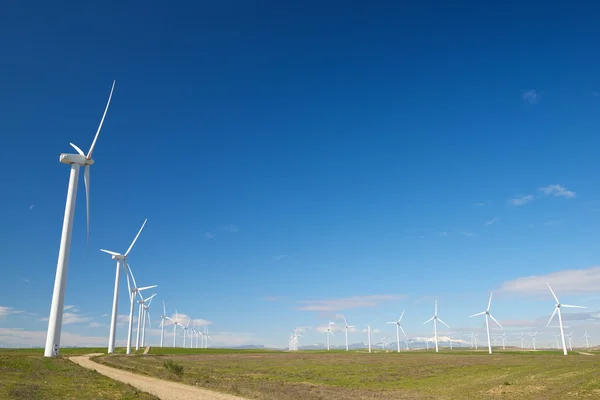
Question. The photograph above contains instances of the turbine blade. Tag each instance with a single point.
(131, 273)
(89, 156)
(394, 322)
(402, 329)
(570, 306)
(553, 294)
(112, 253)
(77, 149)
(147, 287)
(86, 181)
(494, 319)
(489, 302)
(164, 308)
(474, 315)
(401, 315)
(136, 237)
(435, 308)
(443, 322)
(550, 320)
(429, 320)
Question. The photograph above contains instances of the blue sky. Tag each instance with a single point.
(298, 161)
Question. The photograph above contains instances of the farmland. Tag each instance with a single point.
(342, 375)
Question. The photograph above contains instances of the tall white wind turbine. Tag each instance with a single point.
(435, 319)
(185, 329)
(133, 293)
(398, 328)
(586, 337)
(521, 337)
(121, 263)
(206, 337)
(557, 308)
(60, 282)
(146, 308)
(533, 335)
(487, 322)
(369, 335)
(347, 327)
(175, 323)
(570, 340)
(328, 332)
(163, 317)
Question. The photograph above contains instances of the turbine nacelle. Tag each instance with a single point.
(75, 159)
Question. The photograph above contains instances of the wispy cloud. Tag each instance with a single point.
(31, 207)
(279, 257)
(521, 200)
(271, 298)
(557, 190)
(21, 337)
(491, 221)
(230, 228)
(531, 96)
(95, 325)
(566, 282)
(467, 233)
(74, 318)
(4, 311)
(209, 235)
(443, 233)
(347, 302)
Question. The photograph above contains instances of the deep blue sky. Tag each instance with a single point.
(315, 151)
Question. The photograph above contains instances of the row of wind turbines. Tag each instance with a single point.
(76, 161)
(294, 338)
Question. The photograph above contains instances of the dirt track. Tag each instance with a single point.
(164, 390)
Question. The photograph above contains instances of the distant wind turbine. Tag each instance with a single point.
(557, 308)
(533, 335)
(329, 332)
(369, 335)
(398, 329)
(435, 319)
(60, 282)
(347, 327)
(487, 322)
(586, 337)
(163, 318)
(133, 293)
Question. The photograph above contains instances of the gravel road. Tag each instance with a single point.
(164, 390)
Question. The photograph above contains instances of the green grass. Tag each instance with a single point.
(31, 377)
(69, 351)
(411, 375)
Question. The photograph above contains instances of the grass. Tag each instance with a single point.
(24, 375)
(68, 351)
(304, 375)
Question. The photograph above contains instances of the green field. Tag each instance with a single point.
(308, 375)
(26, 374)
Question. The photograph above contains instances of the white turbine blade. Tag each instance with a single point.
(570, 306)
(89, 156)
(164, 308)
(112, 253)
(550, 320)
(401, 315)
(128, 284)
(429, 320)
(443, 322)
(435, 308)
(345, 322)
(136, 237)
(86, 182)
(474, 315)
(131, 273)
(147, 287)
(77, 149)
(148, 315)
(402, 329)
(556, 298)
(393, 322)
(331, 333)
(149, 299)
(494, 319)
(489, 302)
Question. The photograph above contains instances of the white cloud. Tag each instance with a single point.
(521, 200)
(4, 311)
(443, 233)
(467, 233)
(347, 303)
(373, 331)
(70, 307)
(124, 319)
(230, 228)
(95, 325)
(566, 282)
(531, 96)
(271, 298)
(74, 318)
(209, 235)
(31, 207)
(491, 221)
(279, 257)
(20, 337)
(557, 190)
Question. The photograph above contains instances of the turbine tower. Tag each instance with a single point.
(398, 329)
(533, 335)
(146, 309)
(557, 308)
(435, 319)
(60, 282)
(163, 317)
(586, 337)
(369, 335)
(487, 322)
(121, 263)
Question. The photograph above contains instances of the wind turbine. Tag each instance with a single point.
(570, 340)
(369, 335)
(398, 328)
(521, 337)
(383, 343)
(185, 329)
(163, 317)
(121, 263)
(133, 292)
(450, 340)
(503, 338)
(60, 282)
(487, 322)
(435, 319)
(328, 332)
(533, 335)
(347, 326)
(586, 337)
(206, 337)
(557, 309)
(175, 323)
(146, 309)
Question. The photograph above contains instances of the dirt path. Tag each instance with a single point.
(585, 354)
(164, 390)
